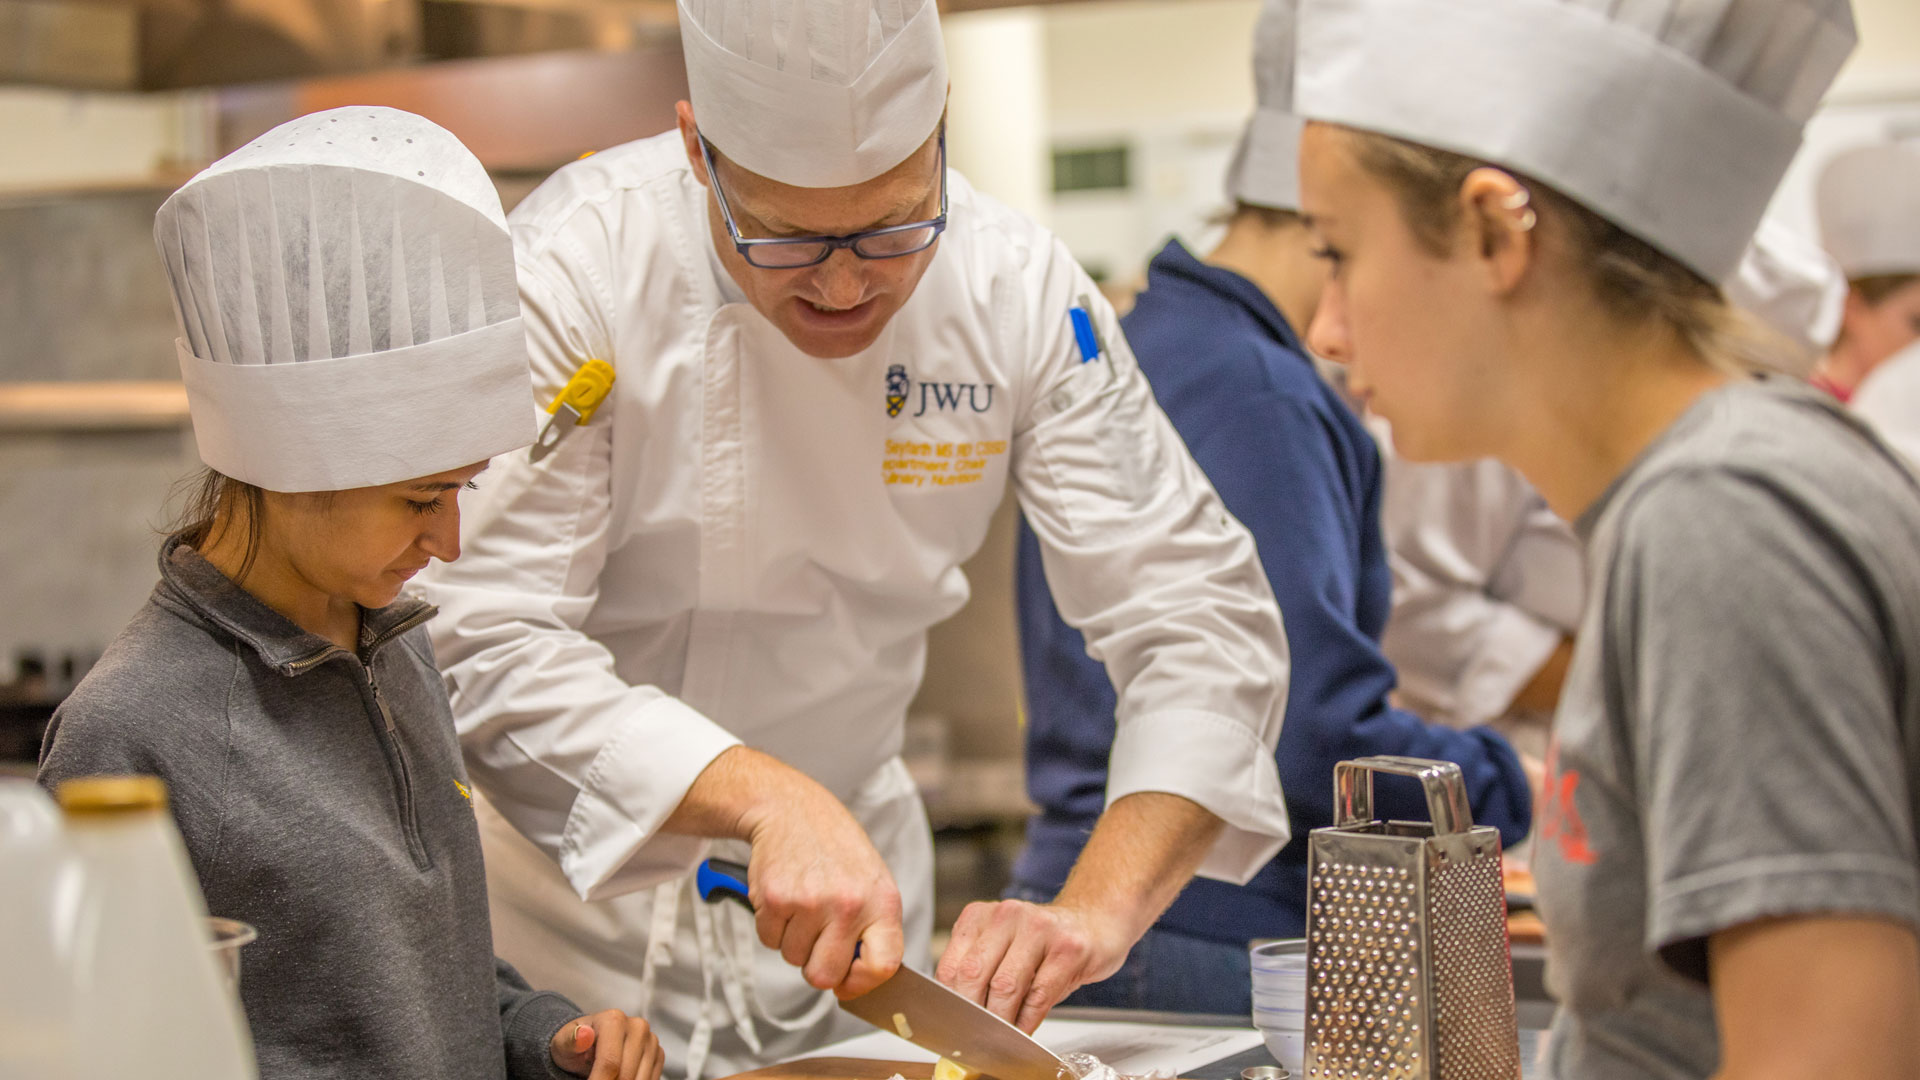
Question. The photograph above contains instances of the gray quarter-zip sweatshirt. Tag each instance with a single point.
(323, 800)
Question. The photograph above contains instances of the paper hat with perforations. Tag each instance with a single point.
(815, 93)
(1266, 163)
(347, 303)
(1869, 203)
(1674, 119)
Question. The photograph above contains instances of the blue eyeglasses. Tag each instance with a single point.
(793, 253)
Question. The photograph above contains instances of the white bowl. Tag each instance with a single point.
(1289, 1048)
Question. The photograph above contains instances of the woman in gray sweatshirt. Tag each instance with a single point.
(329, 279)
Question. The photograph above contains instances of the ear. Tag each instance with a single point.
(690, 136)
(1857, 307)
(1499, 222)
(1855, 314)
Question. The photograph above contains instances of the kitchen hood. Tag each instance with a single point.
(176, 44)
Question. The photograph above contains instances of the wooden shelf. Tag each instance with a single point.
(160, 183)
(92, 406)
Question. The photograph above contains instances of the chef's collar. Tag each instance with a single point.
(723, 283)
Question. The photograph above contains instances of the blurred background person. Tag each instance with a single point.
(1870, 217)
(1869, 207)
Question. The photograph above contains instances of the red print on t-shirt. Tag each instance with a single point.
(1560, 815)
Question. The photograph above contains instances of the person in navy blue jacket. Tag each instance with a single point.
(1216, 338)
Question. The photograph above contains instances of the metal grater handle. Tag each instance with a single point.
(1446, 791)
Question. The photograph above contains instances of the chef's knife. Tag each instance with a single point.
(919, 1009)
(936, 1018)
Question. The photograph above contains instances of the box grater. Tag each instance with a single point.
(1408, 971)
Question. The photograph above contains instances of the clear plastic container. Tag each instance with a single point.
(105, 925)
(1280, 999)
(226, 937)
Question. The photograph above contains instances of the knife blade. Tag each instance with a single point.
(939, 1020)
(932, 1016)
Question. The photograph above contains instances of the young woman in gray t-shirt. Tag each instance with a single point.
(1527, 227)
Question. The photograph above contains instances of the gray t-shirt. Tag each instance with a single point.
(1740, 733)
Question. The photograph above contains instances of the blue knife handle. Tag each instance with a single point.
(718, 879)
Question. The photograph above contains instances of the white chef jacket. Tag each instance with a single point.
(1486, 582)
(747, 544)
(1889, 399)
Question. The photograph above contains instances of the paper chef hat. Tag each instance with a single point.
(1790, 284)
(1869, 203)
(1266, 164)
(347, 304)
(815, 93)
(1674, 119)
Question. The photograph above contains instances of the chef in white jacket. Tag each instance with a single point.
(695, 626)
(1487, 593)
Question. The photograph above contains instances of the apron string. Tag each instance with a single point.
(747, 940)
(701, 1041)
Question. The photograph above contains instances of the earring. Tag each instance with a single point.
(1519, 200)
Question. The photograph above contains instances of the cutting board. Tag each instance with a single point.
(840, 1068)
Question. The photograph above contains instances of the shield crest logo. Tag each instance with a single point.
(897, 385)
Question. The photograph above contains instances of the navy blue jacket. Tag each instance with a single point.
(1293, 463)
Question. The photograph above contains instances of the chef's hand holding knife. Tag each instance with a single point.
(821, 894)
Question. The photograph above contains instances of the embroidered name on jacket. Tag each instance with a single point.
(928, 463)
(914, 463)
(935, 397)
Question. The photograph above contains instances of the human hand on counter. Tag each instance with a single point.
(1020, 959)
(608, 1045)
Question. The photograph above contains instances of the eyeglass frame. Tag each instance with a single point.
(744, 244)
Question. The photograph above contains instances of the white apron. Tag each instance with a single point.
(721, 1002)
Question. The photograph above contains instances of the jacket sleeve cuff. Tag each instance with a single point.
(528, 1031)
(1513, 646)
(612, 844)
(1217, 763)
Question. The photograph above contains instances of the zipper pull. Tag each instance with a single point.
(386, 714)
